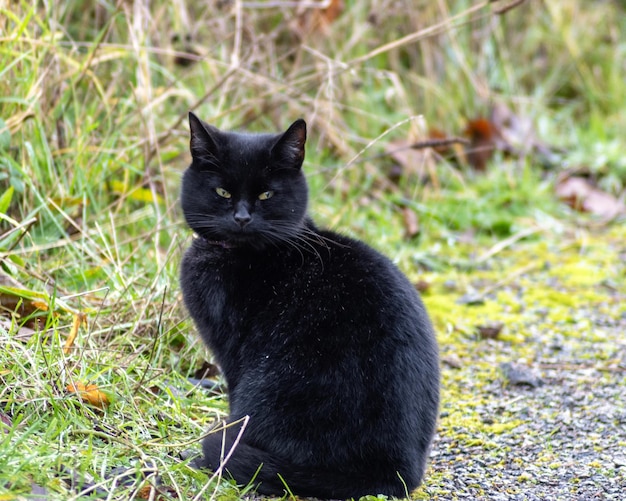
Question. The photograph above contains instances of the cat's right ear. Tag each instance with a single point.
(204, 149)
(289, 148)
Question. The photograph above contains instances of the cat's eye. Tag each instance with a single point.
(222, 192)
(266, 194)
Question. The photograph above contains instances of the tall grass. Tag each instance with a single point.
(93, 139)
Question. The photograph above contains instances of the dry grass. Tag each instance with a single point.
(93, 140)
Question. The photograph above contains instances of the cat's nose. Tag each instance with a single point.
(242, 216)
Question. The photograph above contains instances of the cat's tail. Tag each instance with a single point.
(272, 475)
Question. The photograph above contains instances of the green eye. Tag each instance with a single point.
(222, 192)
(266, 194)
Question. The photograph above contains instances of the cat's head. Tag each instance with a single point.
(245, 189)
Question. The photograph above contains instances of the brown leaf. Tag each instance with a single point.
(332, 12)
(159, 493)
(422, 285)
(144, 492)
(79, 318)
(90, 394)
(9, 281)
(315, 19)
(483, 134)
(407, 160)
(23, 334)
(413, 156)
(14, 297)
(580, 194)
(517, 134)
(490, 331)
(411, 223)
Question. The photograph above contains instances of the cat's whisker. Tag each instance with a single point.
(323, 240)
(283, 237)
(313, 235)
(298, 248)
(303, 243)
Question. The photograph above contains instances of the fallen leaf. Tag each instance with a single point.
(483, 135)
(503, 131)
(416, 156)
(159, 493)
(311, 19)
(411, 223)
(24, 303)
(332, 12)
(145, 492)
(21, 333)
(490, 331)
(407, 161)
(580, 194)
(79, 319)
(90, 394)
(516, 133)
(422, 285)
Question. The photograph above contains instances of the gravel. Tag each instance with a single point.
(563, 439)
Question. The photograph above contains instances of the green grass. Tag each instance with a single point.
(93, 141)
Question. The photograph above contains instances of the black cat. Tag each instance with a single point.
(324, 344)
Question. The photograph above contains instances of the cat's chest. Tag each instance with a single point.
(246, 283)
(262, 282)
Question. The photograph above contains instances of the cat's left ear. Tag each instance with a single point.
(289, 148)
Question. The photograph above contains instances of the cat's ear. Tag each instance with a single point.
(289, 148)
(202, 144)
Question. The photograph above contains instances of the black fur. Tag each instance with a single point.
(323, 342)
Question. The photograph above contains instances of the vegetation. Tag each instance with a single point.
(93, 140)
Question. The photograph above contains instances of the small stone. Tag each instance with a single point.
(450, 285)
(452, 361)
(619, 461)
(471, 299)
(517, 374)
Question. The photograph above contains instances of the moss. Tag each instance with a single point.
(499, 428)
(562, 295)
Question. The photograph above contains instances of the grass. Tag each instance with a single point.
(93, 140)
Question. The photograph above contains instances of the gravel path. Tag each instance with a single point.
(539, 414)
